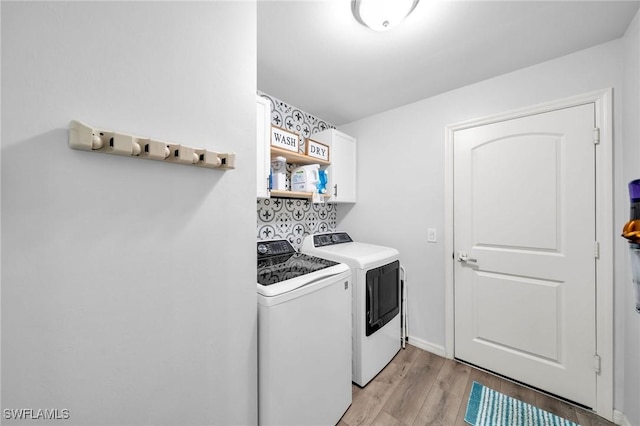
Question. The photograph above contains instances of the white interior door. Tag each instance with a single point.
(524, 238)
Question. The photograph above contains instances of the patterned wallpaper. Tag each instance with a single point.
(292, 219)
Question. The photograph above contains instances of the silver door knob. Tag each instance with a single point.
(463, 258)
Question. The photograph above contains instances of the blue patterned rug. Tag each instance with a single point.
(487, 407)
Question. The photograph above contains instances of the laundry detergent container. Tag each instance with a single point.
(305, 178)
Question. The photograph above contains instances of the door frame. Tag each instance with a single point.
(604, 230)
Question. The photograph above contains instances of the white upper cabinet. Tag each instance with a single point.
(263, 128)
(341, 166)
(342, 171)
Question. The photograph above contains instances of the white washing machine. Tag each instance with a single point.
(375, 272)
(304, 337)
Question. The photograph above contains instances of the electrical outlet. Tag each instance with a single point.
(431, 235)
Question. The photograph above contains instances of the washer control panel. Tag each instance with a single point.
(274, 248)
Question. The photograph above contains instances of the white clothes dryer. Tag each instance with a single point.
(375, 272)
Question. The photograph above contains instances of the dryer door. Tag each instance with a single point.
(383, 296)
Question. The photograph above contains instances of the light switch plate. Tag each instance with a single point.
(431, 235)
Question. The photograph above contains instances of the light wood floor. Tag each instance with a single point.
(420, 388)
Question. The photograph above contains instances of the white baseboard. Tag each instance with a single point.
(427, 346)
(620, 419)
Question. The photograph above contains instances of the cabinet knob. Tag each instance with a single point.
(335, 190)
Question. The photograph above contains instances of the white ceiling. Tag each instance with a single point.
(316, 56)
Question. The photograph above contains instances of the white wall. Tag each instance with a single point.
(126, 297)
(401, 175)
(630, 171)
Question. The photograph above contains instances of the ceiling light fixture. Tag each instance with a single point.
(382, 15)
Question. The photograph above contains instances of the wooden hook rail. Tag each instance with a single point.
(87, 138)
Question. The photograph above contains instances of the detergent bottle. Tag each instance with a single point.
(279, 170)
(305, 178)
(322, 182)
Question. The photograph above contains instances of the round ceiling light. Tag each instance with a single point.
(382, 15)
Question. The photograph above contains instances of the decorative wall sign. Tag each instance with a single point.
(317, 150)
(284, 139)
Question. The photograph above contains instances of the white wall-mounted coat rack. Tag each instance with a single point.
(87, 138)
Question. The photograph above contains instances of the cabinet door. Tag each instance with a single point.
(342, 172)
(263, 154)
